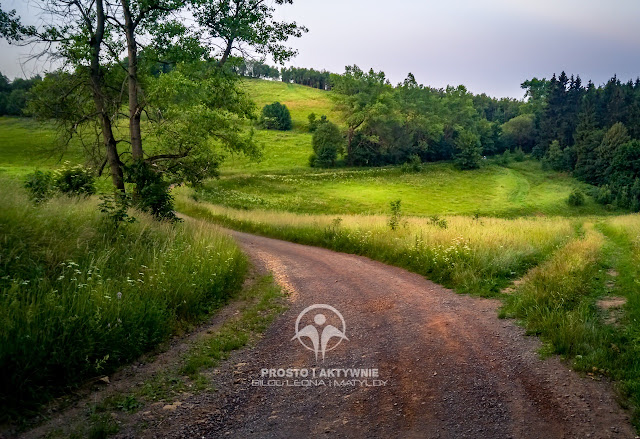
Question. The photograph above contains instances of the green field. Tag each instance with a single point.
(520, 189)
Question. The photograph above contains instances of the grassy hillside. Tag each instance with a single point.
(26, 144)
(284, 149)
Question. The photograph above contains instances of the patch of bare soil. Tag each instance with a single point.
(611, 307)
(451, 368)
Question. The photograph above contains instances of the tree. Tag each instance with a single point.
(246, 26)
(555, 157)
(327, 143)
(360, 96)
(587, 139)
(469, 151)
(616, 136)
(79, 35)
(89, 37)
(519, 132)
(276, 116)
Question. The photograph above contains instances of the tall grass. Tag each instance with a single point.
(557, 301)
(79, 298)
(476, 256)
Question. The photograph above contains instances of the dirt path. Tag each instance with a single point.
(452, 368)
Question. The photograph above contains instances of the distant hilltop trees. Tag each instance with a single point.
(296, 75)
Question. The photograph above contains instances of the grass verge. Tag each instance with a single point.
(262, 301)
(558, 301)
(79, 298)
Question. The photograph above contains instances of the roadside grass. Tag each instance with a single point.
(557, 301)
(236, 333)
(523, 189)
(263, 301)
(79, 298)
(472, 255)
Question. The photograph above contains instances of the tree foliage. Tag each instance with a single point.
(328, 143)
(276, 116)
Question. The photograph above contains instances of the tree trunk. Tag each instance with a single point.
(135, 110)
(349, 146)
(227, 52)
(97, 87)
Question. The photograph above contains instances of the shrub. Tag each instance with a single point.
(413, 164)
(603, 195)
(396, 214)
(576, 198)
(152, 191)
(115, 206)
(74, 180)
(314, 122)
(39, 186)
(276, 116)
(519, 155)
(504, 159)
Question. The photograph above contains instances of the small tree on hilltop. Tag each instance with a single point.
(276, 116)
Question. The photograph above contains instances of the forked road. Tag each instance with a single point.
(453, 369)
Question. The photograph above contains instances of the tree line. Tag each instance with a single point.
(320, 79)
(389, 124)
(14, 94)
(591, 131)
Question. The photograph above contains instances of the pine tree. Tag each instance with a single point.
(587, 137)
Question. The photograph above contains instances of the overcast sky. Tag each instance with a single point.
(490, 46)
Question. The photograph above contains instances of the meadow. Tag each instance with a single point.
(521, 188)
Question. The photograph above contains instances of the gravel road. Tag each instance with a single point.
(447, 366)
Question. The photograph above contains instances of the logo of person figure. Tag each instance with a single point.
(320, 333)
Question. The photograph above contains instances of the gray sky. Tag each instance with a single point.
(490, 46)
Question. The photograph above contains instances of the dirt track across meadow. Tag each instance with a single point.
(452, 368)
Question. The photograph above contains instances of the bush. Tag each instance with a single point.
(414, 164)
(39, 186)
(504, 159)
(396, 214)
(74, 180)
(603, 195)
(519, 155)
(327, 144)
(576, 198)
(276, 116)
(152, 191)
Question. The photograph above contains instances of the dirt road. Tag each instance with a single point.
(452, 368)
